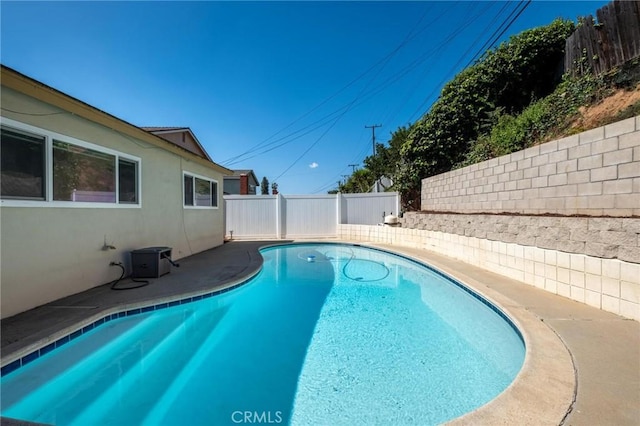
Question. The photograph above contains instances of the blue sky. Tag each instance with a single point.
(283, 88)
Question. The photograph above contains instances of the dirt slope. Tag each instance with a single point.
(605, 111)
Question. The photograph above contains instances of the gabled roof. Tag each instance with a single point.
(38, 90)
(159, 131)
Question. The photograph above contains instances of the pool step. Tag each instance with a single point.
(55, 400)
(156, 415)
(130, 393)
(255, 348)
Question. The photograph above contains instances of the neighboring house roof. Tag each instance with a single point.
(248, 172)
(19, 82)
(164, 131)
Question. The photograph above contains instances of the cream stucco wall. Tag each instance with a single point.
(49, 252)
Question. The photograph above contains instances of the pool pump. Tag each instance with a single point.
(152, 262)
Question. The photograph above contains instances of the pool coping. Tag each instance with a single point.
(544, 391)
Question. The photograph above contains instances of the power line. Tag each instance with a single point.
(310, 147)
(349, 106)
(360, 154)
(416, 62)
(363, 94)
(431, 52)
(437, 87)
(325, 186)
(471, 15)
(492, 39)
(436, 51)
(382, 61)
(323, 121)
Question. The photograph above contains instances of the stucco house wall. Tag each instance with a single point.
(50, 250)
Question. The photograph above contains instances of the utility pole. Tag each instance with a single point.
(353, 167)
(345, 178)
(373, 135)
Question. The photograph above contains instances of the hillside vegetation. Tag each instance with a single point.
(514, 97)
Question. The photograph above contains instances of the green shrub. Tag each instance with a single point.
(543, 119)
(506, 78)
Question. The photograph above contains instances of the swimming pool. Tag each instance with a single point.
(325, 334)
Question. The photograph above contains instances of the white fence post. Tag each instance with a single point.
(278, 216)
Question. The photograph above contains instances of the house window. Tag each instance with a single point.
(188, 190)
(203, 192)
(200, 191)
(127, 181)
(214, 194)
(43, 168)
(82, 174)
(22, 165)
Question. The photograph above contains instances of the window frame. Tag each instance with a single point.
(43, 160)
(48, 201)
(194, 176)
(136, 164)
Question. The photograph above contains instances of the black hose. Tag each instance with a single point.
(172, 262)
(361, 279)
(114, 283)
(352, 258)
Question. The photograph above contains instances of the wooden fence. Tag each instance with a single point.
(607, 43)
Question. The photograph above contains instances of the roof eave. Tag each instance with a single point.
(38, 90)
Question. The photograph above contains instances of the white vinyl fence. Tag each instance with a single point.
(303, 216)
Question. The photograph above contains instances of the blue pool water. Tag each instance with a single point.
(325, 334)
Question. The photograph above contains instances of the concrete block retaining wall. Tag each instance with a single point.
(516, 215)
(612, 285)
(596, 173)
(604, 237)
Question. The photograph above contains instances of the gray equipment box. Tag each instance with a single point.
(151, 262)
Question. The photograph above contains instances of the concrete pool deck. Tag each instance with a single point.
(582, 366)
